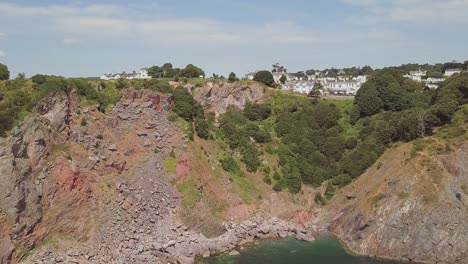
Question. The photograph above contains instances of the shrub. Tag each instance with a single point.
(341, 180)
(267, 179)
(201, 127)
(38, 79)
(255, 112)
(229, 164)
(318, 198)
(4, 72)
(250, 157)
(264, 77)
(329, 191)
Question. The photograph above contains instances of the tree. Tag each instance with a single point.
(156, 72)
(232, 77)
(38, 79)
(202, 128)
(283, 79)
(256, 112)
(4, 72)
(191, 71)
(21, 76)
(316, 90)
(264, 77)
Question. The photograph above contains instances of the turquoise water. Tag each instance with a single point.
(325, 250)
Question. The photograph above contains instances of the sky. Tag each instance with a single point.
(87, 38)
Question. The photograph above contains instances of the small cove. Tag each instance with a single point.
(324, 250)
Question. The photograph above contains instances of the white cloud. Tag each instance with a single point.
(2, 54)
(2, 35)
(70, 41)
(100, 21)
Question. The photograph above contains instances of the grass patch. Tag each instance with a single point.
(170, 163)
(248, 191)
(191, 193)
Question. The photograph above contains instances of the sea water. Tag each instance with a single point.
(324, 250)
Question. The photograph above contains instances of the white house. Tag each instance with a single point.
(349, 87)
(415, 75)
(300, 86)
(450, 72)
(142, 74)
(250, 75)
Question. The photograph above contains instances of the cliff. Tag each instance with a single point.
(128, 186)
(407, 207)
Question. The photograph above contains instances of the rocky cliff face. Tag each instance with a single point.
(407, 208)
(216, 97)
(22, 159)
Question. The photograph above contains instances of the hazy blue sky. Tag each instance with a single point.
(87, 38)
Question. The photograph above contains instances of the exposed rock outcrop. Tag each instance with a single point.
(22, 156)
(412, 209)
(216, 97)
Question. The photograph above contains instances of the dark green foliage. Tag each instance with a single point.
(159, 86)
(250, 157)
(4, 72)
(232, 77)
(276, 176)
(267, 179)
(229, 164)
(318, 199)
(185, 106)
(292, 179)
(264, 77)
(329, 191)
(341, 180)
(278, 187)
(256, 112)
(38, 79)
(386, 90)
(283, 79)
(202, 128)
(121, 83)
(191, 71)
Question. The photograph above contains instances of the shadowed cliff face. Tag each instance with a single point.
(409, 208)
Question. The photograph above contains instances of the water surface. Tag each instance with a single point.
(325, 250)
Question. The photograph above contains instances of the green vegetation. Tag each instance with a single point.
(170, 163)
(232, 77)
(18, 97)
(229, 164)
(4, 72)
(167, 71)
(264, 77)
(316, 141)
(191, 111)
(191, 194)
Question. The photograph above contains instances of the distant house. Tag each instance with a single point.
(250, 75)
(349, 87)
(416, 75)
(142, 74)
(450, 72)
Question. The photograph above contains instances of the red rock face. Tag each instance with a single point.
(69, 182)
